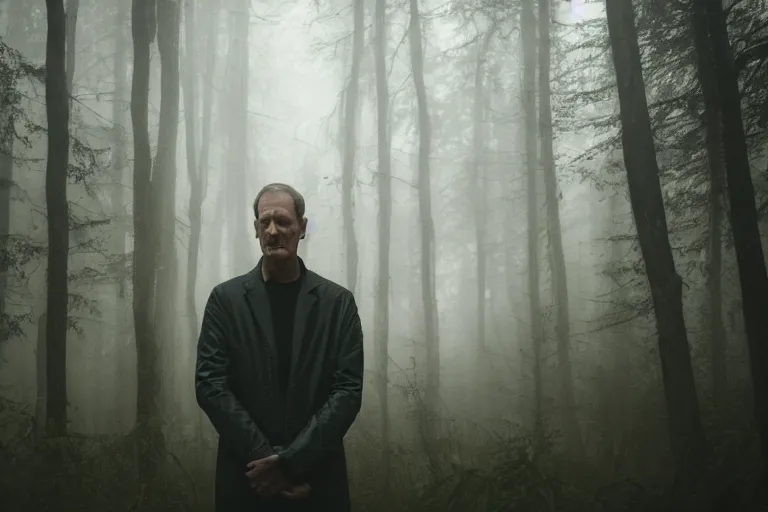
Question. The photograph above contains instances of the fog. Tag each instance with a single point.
(564, 295)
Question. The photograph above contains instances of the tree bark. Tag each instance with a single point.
(149, 436)
(7, 122)
(528, 37)
(57, 110)
(238, 167)
(559, 275)
(713, 142)
(684, 423)
(118, 165)
(381, 299)
(194, 169)
(744, 223)
(348, 175)
(479, 190)
(427, 224)
(163, 188)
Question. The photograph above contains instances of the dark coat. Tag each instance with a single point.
(236, 383)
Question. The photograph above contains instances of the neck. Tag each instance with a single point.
(284, 271)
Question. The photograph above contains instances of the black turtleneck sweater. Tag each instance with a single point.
(282, 302)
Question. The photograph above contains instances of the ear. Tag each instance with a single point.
(256, 227)
(303, 223)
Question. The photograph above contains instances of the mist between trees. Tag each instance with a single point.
(552, 215)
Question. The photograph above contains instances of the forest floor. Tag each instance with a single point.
(99, 473)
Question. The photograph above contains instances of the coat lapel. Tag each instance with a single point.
(304, 304)
(258, 304)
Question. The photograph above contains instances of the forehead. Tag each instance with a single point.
(275, 202)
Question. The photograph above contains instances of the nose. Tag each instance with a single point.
(271, 228)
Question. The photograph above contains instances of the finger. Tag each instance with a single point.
(262, 464)
(297, 492)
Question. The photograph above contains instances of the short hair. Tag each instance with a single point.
(298, 199)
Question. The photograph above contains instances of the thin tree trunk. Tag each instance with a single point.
(148, 432)
(427, 224)
(350, 146)
(713, 143)
(238, 168)
(479, 190)
(163, 188)
(57, 110)
(528, 36)
(744, 223)
(7, 122)
(684, 423)
(381, 306)
(194, 170)
(559, 276)
(118, 164)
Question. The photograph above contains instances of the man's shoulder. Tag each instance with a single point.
(329, 288)
(232, 286)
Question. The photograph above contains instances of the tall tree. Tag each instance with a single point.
(350, 144)
(554, 231)
(684, 422)
(426, 223)
(57, 164)
(7, 139)
(118, 195)
(150, 223)
(478, 188)
(741, 198)
(712, 120)
(528, 39)
(194, 168)
(238, 158)
(164, 175)
(381, 300)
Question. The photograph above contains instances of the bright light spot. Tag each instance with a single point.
(577, 10)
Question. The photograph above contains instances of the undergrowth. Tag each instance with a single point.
(99, 473)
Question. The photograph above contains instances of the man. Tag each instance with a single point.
(279, 373)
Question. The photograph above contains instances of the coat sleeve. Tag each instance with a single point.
(214, 395)
(326, 429)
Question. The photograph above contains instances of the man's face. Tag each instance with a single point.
(278, 228)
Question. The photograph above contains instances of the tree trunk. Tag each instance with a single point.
(479, 190)
(7, 122)
(713, 143)
(684, 423)
(194, 170)
(528, 36)
(148, 429)
(350, 146)
(381, 299)
(118, 164)
(744, 224)
(41, 359)
(163, 188)
(57, 164)
(427, 224)
(559, 276)
(238, 168)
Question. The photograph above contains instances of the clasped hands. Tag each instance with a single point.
(268, 479)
